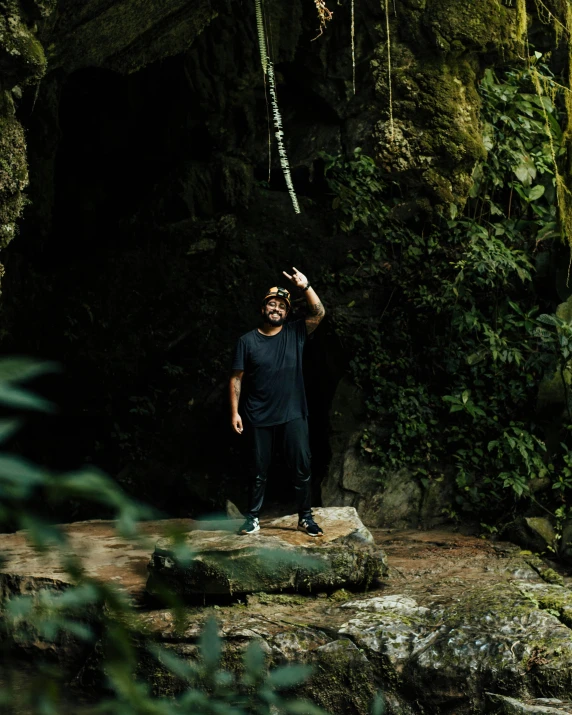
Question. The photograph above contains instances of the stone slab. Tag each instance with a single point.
(105, 556)
(277, 558)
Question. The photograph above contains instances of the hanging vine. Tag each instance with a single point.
(391, 126)
(562, 29)
(279, 134)
(353, 49)
(268, 70)
(261, 36)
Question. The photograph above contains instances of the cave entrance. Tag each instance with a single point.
(121, 136)
(136, 167)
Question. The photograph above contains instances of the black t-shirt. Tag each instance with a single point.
(273, 374)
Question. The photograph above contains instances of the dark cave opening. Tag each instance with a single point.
(135, 171)
(120, 137)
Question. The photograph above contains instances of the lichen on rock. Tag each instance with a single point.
(22, 58)
(22, 62)
(13, 171)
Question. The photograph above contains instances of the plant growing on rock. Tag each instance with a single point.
(452, 366)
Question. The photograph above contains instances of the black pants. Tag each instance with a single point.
(293, 439)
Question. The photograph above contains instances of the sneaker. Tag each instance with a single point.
(309, 526)
(250, 526)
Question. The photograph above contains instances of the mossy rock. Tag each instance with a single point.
(481, 25)
(498, 638)
(22, 58)
(277, 558)
(13, 176)
(535, 534)
(344, 679)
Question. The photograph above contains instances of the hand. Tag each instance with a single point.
(299, 279)
(237, 423)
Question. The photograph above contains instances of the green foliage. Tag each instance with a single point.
(452, 367)
(90, 612)
(358, 189)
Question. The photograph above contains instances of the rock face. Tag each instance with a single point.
(396, 499)
(22, 62)
(149, 129)
(458, 625)
(532, 532)
(275, 559)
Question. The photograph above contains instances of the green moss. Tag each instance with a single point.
(435, 107)
(343, 680)
(23, 58)
(283, 599)
(13, 176)
(556, 600)
(255, 570)
(435, 60)
(474, 24)
(552, 576)
(545, 572)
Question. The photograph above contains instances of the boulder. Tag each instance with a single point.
(395, 500)
(535, 533)
(275, 559)
(501, 633)
(24, 571)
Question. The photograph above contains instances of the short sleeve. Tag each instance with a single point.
(239, 359)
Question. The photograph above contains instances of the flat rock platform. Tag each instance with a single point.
(277, 558)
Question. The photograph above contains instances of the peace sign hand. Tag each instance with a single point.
(299, 279)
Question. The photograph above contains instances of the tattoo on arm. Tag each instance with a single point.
(315, 314)
(235, 387)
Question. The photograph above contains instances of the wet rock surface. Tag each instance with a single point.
(457, 624)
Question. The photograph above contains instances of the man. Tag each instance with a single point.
(275, 410)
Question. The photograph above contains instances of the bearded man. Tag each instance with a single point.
(269, 361)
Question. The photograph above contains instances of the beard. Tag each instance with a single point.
(275, 320)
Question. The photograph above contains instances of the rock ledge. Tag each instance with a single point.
(275, 559)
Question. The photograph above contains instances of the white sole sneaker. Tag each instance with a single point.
(303, 530)
(245, 532)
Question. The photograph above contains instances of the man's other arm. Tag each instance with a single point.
(316, 310)
(235, 386)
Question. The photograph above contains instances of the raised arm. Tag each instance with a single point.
(235, 385)
(316, 310)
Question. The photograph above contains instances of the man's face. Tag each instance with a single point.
(275, 312)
